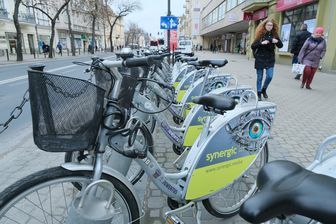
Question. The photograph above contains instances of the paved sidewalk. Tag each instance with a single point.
(303, 119)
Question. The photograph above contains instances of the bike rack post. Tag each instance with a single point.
(7, 54)
(37, 67)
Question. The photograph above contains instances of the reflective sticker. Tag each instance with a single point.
(256, 129)
(210, 179)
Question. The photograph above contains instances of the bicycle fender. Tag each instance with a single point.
(108, 171)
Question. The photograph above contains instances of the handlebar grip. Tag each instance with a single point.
(156, 57)
(166, 54)
(138, 62)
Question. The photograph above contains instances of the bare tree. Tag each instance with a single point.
(52, 10)
(93, 10)
(121, 10)
(72, 38)
(133, 34)
(19, 56)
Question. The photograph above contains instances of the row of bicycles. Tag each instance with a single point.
(216, 126)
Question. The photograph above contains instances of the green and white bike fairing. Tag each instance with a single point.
(195, 120)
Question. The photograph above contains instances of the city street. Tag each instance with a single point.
(303, 119)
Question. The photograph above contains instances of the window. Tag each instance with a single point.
(215, 15)
(296, 18)
(2, 5)
(221, 10)
(231, 4)
(240, 1)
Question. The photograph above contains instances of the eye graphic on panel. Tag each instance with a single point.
(252, 130)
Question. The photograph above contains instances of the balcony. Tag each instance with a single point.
(27, 18)
(3, 14)
(254, 5)
(43, 22)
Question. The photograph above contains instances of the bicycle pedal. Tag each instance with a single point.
(173, 219)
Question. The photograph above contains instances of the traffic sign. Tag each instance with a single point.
(169, 22)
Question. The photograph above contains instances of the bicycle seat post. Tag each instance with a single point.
(208, 71)
(205, 132)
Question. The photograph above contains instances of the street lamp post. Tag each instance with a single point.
(168, 31)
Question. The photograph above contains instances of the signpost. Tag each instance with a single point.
(169, 22)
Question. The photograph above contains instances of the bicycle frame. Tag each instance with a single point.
(173, 184)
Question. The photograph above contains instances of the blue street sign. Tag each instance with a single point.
(169, 22)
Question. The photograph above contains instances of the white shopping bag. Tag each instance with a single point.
(298, 68)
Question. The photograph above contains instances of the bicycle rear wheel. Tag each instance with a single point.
(45, 197)
(227, 202)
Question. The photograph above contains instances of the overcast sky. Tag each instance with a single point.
(148, 18)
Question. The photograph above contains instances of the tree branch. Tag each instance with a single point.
(37, 8)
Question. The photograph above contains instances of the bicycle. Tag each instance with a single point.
(294, 194)
(245, 129)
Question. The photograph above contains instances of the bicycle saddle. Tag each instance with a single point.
(124, 56)
(286, 188)
(217, 103)
(214, 63)
(187, 59)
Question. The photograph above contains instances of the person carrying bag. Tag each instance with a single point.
(312, 51)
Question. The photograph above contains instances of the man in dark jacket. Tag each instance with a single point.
(298, 42)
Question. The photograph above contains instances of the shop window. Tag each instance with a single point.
(292, 21)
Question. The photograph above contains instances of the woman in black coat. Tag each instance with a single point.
(267, 37)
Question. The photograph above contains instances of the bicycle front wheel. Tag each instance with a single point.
(227, 202)
(46, 196)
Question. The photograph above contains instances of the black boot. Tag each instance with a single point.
(297, 76)
(259, 96)
(263, 91)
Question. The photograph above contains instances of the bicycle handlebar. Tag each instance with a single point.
(138, 62)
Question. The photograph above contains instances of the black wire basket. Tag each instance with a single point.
(66, 112)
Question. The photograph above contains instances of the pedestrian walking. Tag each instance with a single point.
(312, 51)
(298, 42)
(266, 38)
(59, 47)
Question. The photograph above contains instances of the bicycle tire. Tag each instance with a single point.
(27, 187)
(233, 210)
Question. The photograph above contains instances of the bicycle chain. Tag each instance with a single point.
(15, 114)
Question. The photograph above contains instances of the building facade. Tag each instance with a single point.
(229, 25)
(222, 25)
(36, 29)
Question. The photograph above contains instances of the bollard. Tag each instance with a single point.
(79, 51)
(7, 54)
(34, 54)
(37, 67)
(68, 51)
